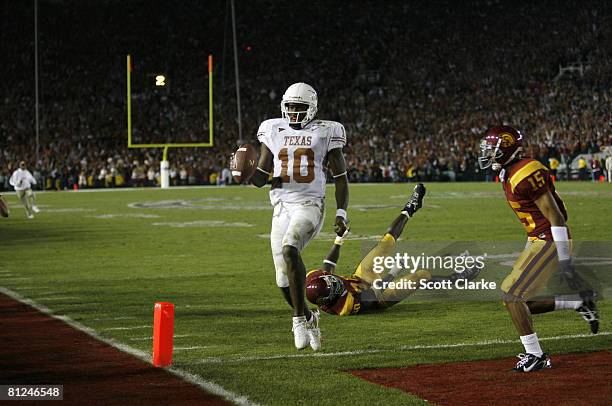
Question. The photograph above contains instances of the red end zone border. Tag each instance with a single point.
(38, 349)
(574, 379)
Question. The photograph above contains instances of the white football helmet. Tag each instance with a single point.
(299, 94)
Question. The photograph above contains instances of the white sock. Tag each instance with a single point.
(563, 302)
(532, 345)
(297, 319)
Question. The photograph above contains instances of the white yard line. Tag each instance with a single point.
(79, 304)
(56, 298)
(208, 386)
(127, 189)
(215, 360)
(151, 337)
(113, 318)
(195, 347)
(126, 328)
(194, 187)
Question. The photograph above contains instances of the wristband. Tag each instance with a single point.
(340, 238)
(341, 213)
(327, 261)
(561, 239)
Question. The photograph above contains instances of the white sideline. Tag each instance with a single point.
(213, 360)
(208, 386)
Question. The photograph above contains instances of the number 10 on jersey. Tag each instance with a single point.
(298, 154)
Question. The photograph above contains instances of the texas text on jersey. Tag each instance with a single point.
(299, 155)
(524, 182)
(349, 301)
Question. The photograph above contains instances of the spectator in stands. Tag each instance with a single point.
(595, 168)
(183, 176)
(553, 164)
(416, 105)
(582, 169)
(225, 178)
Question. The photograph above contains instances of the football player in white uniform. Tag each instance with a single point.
(22, 180)
(293, 150)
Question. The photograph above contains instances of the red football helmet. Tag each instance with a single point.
(499, 147)
(324, 289)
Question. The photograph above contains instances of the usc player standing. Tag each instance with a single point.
(531, 194)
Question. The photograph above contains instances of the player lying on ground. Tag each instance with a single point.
(357, 293)
(531, 193)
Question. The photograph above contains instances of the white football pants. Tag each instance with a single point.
(293, 224)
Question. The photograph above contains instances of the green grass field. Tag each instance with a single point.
(104, 258)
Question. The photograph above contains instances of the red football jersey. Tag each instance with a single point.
(349, 302)
(524, 182)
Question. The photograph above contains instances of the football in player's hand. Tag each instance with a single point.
(4, 210)
(243, 163)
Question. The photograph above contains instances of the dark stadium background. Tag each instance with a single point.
(414, 83)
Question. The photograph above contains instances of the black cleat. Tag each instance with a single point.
(588, 311)
(416, 200)
(531, 363)
(468, 274)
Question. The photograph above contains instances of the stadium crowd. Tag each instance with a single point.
(414, 87)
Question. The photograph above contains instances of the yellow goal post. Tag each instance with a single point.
(164, 171)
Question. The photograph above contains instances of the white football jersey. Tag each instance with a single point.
(22, 179)
(299, 156)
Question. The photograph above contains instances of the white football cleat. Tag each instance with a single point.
(30, 216)
(300, 333)
(314, 332)
(35, 209)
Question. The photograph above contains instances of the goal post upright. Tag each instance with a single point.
(164, 164)
(210, 99)
(129, 98)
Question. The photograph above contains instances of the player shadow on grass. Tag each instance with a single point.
(238, 312)
(40, 236)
